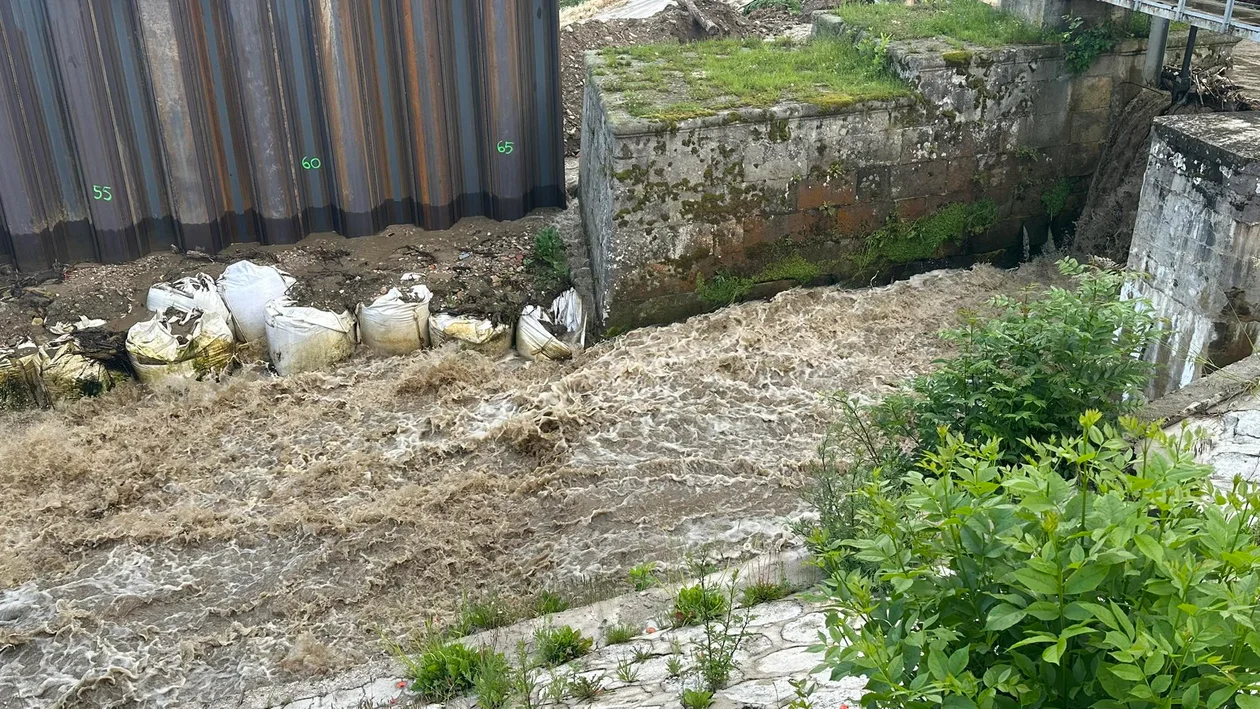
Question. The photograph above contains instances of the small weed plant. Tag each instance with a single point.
(525, 679)
(556, 646)
(1103, 570)
(617, 634)
(549, 603)
(550, 260)
(1056, 196)
(699, 604)
(643, 576)
(585, 688)
(695, 699)
(725, 631)
(557, 689)
(493, 681)
(627, 670)
(802, 693)
(642, 653)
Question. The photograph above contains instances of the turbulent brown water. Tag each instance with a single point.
(177, 549)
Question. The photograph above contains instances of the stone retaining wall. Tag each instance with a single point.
(790, 194)
(1197, 238)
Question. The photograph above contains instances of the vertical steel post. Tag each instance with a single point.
(1156, 45)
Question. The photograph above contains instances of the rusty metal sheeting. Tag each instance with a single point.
(127, 126)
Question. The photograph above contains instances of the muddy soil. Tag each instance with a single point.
(175, 549)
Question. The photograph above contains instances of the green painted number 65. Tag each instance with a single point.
(506, 147)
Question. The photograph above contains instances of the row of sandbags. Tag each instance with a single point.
(199, 323)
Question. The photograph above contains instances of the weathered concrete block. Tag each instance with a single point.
(1091, 93)
(1197, 238)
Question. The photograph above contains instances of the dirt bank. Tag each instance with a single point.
(164, 550)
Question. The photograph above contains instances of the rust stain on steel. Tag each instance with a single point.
(196, 115)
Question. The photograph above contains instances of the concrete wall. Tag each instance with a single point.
(1198, 240)
(745, 192)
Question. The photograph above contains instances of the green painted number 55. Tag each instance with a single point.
(102, 193)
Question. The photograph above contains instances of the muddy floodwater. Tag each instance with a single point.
(177, 549)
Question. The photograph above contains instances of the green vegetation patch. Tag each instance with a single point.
(899, 241)
(969, 21)
(673, 82)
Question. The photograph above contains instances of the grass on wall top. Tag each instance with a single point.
(970, 21)
(679, 81)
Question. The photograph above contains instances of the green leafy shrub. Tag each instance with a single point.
(1056, 196)
(1033, 369)
(725, 631)
(1084, 45)
(1028, 372)
(441, 670)
(617, 634)
(556, 646)
(1130, 584)
(698, 604)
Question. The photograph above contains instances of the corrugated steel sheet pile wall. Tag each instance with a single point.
(127, 126)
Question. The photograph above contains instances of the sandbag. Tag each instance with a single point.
(187, 295)
(558, 334)
(395, 324)
(68, 375)
(307, 339)
(471, 333)
(246, 289)
(20, 383)
(161, 357)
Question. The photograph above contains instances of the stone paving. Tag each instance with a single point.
(775, 652)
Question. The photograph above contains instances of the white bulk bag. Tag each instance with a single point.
(394, 324)
(307, 339)
(471, 333)
(246, 289)
(188, 294)
(554, 335)
(161, 358)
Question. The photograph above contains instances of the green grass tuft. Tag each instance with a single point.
(556, 646)
(550, 259)
(673, 82)
(764, 592)
(617, 634)
(722, 289)
(969, 21)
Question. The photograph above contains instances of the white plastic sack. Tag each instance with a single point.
(558, 334)
(161, 357)
(247, 288)
(471, 333)
(187, 295)
(307, 339)
(394, 324)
